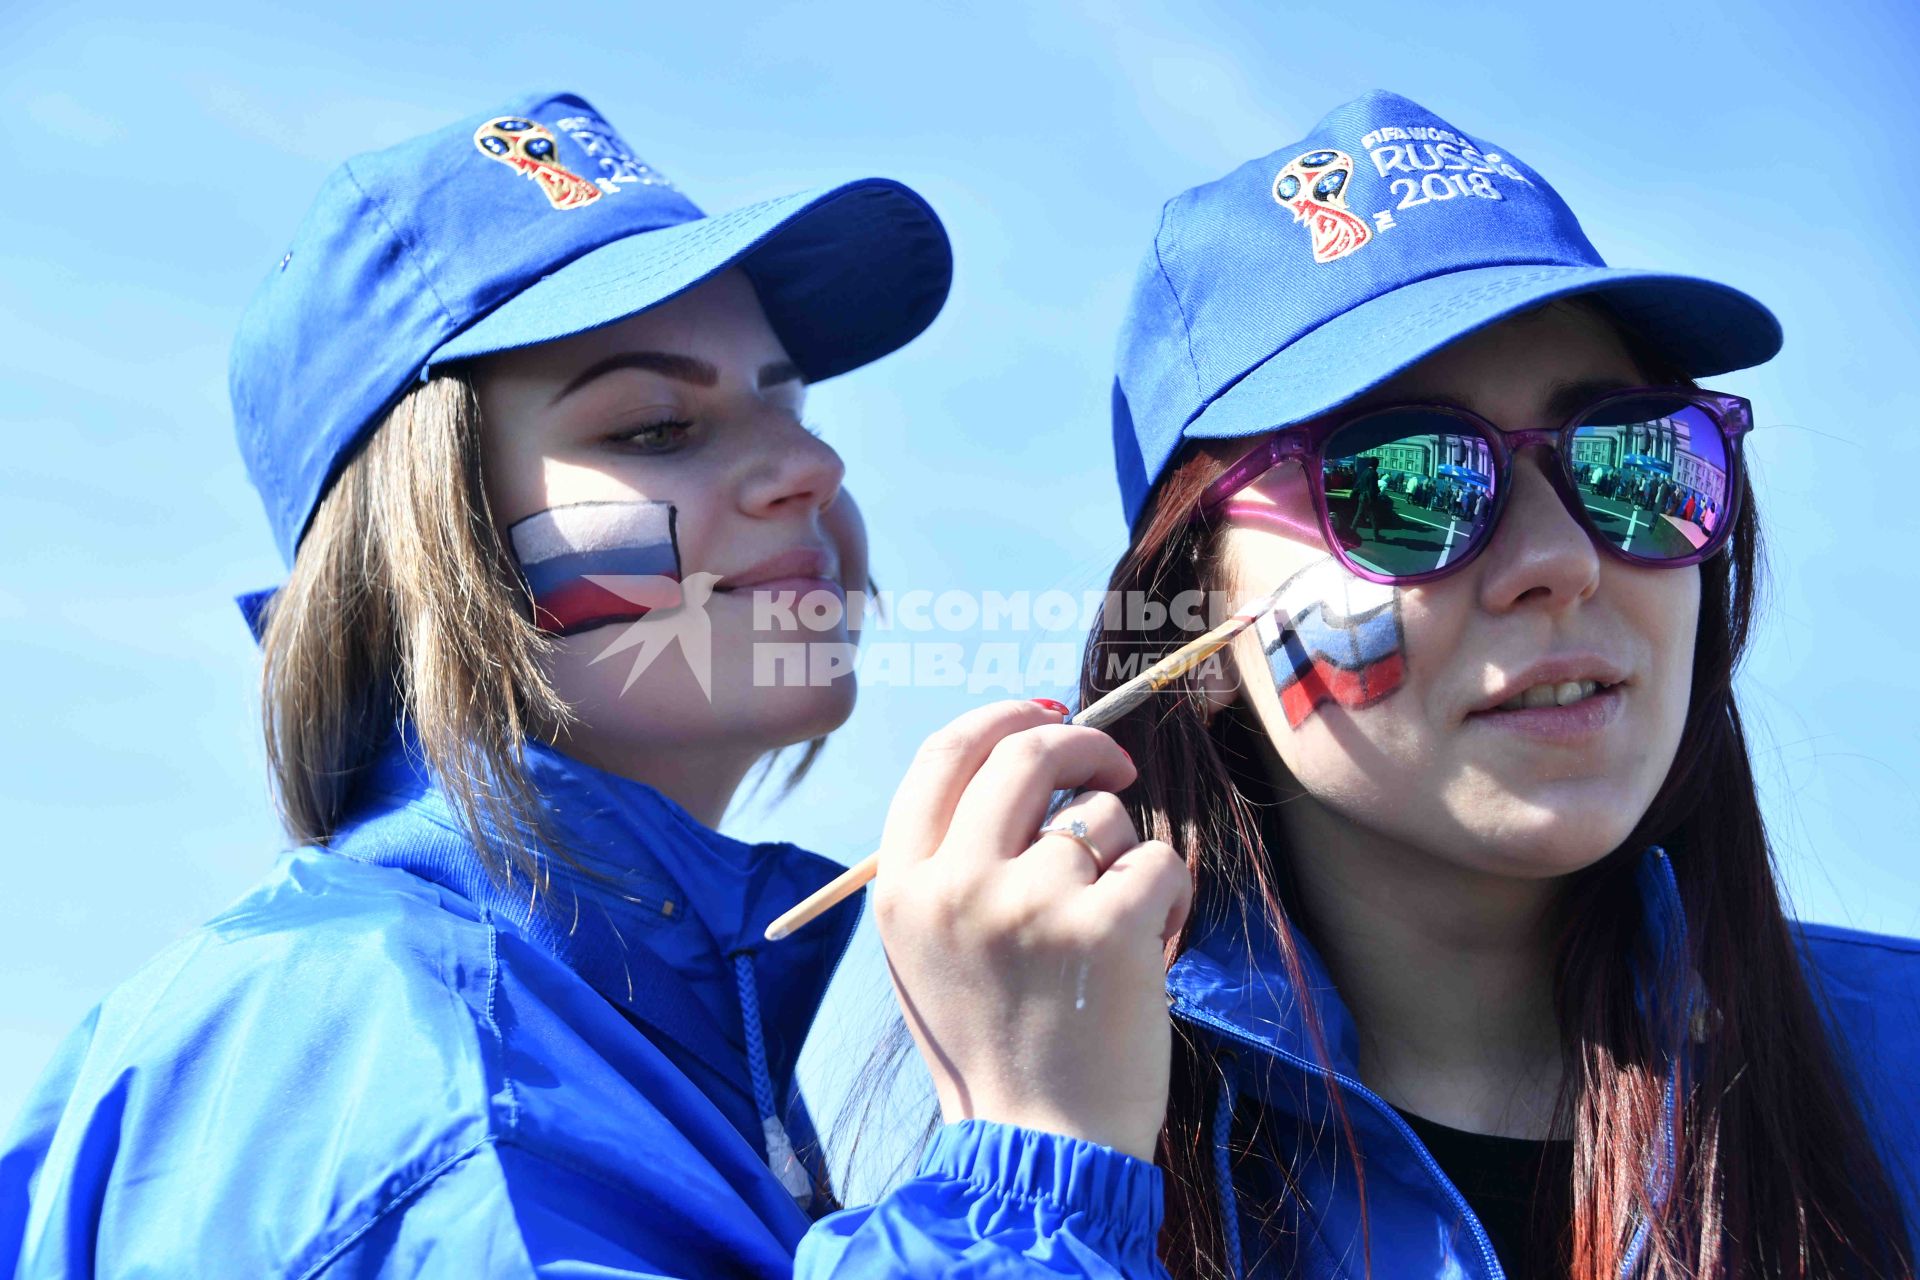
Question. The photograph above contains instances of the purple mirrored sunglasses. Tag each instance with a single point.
(1410, 493)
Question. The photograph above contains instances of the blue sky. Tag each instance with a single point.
(158, 164)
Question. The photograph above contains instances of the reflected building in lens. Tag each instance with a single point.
(1662, 448)
(1470, 453)
(1427, 455)
(1697, 473)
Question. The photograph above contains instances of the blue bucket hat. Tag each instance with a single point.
(1309, 276)
(523, 225)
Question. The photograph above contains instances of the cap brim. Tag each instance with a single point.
(846, 274)
(1704, 327)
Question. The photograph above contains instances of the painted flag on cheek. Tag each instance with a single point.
(1343, 645)
(588, 564)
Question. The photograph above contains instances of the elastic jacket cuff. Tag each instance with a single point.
(1119, 1195)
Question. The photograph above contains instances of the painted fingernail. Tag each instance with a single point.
(1058, 708)
(1123, 751)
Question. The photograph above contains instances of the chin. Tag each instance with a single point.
(780, 685)
(1544, 841)
(783, 717)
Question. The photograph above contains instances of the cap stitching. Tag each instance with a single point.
(1186, 325)
(406, 242)
(363, 430)
(1425, 315)
(1479, 293)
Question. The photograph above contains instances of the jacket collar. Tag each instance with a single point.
(1231, 983)
(659, 940)
(1232, 977)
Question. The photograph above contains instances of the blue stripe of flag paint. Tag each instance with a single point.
(1352, 644)
(658, 558)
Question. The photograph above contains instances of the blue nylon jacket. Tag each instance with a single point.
(1232, 990)
(379, 1064)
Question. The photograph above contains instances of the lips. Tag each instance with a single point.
(1555, 682)
(812, 566)
(1562, 694)
(1581, 724)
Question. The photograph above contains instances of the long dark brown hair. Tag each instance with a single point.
(1776, 1172)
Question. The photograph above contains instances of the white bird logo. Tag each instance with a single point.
(682, 617)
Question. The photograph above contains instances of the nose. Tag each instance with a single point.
(1540, 555)
(792, 469)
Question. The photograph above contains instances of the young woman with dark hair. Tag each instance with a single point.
(1488, 971)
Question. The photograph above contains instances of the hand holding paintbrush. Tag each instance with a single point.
(1098, 716)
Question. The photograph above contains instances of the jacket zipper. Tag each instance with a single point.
(1642, 1228)
(1487, 1256)
(1636, 1248)
(846, 945)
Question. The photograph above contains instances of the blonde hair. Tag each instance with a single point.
(404, 603)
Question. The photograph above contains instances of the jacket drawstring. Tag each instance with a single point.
(780, 1155)
(1223, 1171)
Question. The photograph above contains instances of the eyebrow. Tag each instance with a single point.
(1564, 398)
(1568, 398)
(772, 375)
(681, 368)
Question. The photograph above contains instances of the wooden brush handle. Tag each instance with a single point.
(1102, 713)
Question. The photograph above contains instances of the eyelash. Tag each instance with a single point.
(634, 439)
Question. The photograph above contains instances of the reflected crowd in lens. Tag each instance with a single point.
(1408, 490)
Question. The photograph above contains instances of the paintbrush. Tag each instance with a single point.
(1102, 713)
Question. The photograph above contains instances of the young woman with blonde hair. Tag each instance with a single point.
(530, 432)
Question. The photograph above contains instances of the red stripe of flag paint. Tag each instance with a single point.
(1324, 682)
(1343, 642)
(588, 564)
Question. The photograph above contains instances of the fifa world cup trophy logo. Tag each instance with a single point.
(1314, 186)
(529, 149)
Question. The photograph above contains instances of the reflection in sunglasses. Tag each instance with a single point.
(1409, 492)
(1421, 540)
(1420, 496)
(1411, 504)
(1664, 472)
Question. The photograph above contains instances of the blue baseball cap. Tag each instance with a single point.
(1305, 278)
(526, 224)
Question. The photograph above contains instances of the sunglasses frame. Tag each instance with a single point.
(1304, 443)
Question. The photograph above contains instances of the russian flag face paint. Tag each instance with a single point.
(591, 563)
(1343, 643)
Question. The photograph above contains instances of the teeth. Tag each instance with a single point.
(1551, 695)
(1572, 691)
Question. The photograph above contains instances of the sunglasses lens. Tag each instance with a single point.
(1652, 474)
(1408, 490)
